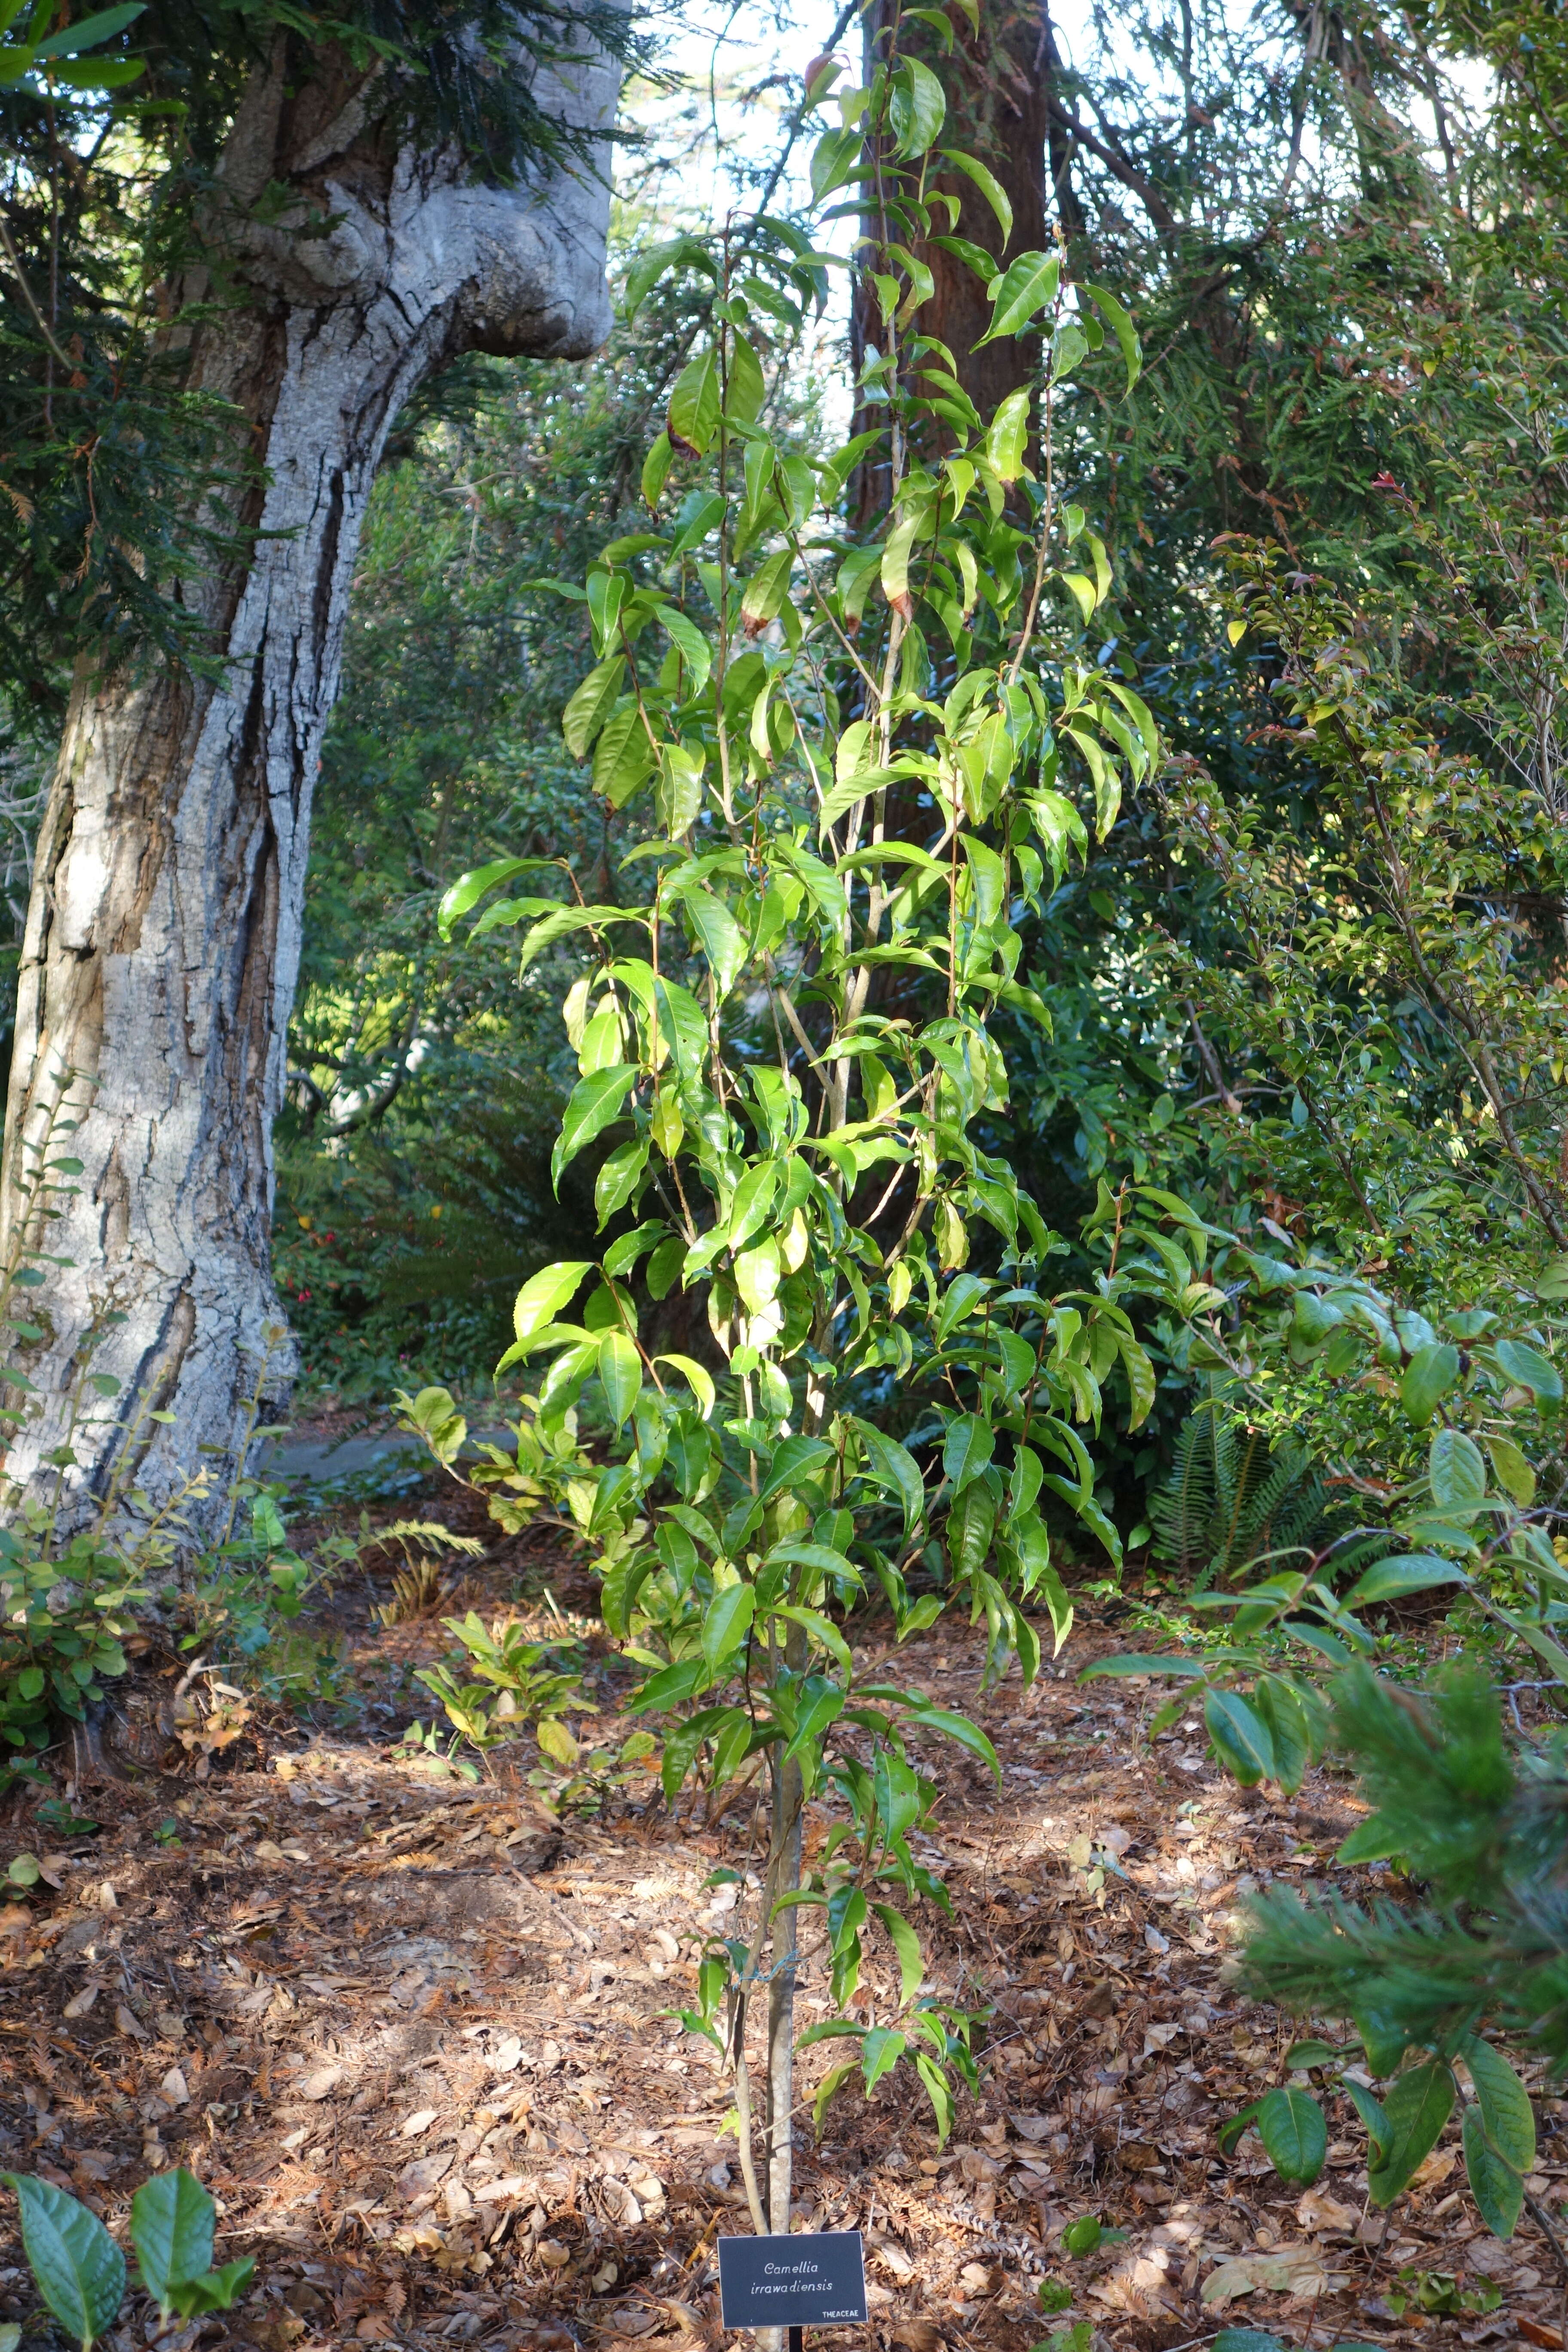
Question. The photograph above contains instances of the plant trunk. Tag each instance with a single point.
(784, 1943)
(163, 932)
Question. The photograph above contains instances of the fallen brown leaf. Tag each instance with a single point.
(917, 2335)
(1295, 2271)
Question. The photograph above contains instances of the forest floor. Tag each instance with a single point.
(411, 2033)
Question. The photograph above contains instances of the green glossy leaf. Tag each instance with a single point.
(1137, 1662)
(1512, 1471)
(1240, 1737)
(1530, 1369)
(880, 2050)
(693, 417)
(88, 31)
(1120, 325)
(1431, 1372)
(719, 936)
(1027, 284)
(727, 1622)
(671, 1686)
(834, 2080)
(696, 1376)
(1401, 1574)
(957, 1726)
(1457, 1471)
(1313, 2053)
(893, 1467)
(917, 108)
(172, 2221)
(793, 1462)
(1370, 1841)
(620, 1375)
(1418, 2106)
(967, 1449)
(1369, 2107)
(1494, 2184)
(1294, 2134)
(544, 1294)
(592, 704)
(80, 2270)
(470, 888)
(939, 2091)
(216, 2290)
(1504, 2106)
(595, 1103)
(991, 188)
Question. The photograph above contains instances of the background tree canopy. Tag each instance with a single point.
(1310, 974)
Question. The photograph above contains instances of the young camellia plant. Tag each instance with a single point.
(80, 2273)
(849, 758)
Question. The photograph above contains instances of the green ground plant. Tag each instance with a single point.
(514, 1682)
(80, 2273)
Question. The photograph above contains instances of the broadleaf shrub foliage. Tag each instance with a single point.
(846, 761)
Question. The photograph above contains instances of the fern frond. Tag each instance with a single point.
(1182, 1507)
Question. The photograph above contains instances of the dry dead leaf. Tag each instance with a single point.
(82, 2001)
(424, 2172)
(1318, 2210)
(128, 2023)
(174, 2088)
(412, 2126)
(267, 1851)
(1436, 2167)
(1295, 2271)
(555, 2255)
(323, 2081)
(893, 2258)
(917, 2335)
(1139, 2282)
(685, 2315)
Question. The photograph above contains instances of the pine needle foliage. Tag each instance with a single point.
(1483, 1833)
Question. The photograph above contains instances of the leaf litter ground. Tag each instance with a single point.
(409, 2032)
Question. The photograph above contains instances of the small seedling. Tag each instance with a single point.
(1055, 2294)
(80, 2271)
(166, 1833)
(1260, 2340)
(1075, 2338)
(1439, 2293)
(56, 1815)
(1087, 2234)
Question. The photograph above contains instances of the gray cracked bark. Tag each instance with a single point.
(162, 937)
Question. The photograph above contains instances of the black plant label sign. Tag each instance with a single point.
(804, 2281)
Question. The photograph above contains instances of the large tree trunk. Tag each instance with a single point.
(997, 86)
(162, 937)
